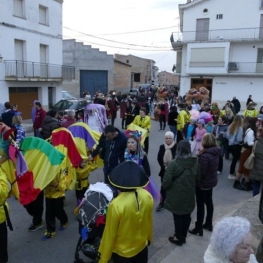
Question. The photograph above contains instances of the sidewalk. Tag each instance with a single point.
(195, 247)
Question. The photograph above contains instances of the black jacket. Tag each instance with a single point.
(7, 117)
(172, 118)
(160, 157)
(49, 124)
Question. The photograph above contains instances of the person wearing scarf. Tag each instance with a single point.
(165, 155)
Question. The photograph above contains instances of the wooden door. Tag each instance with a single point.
(24, 98)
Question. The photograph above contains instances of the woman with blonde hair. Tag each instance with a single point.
(20, 133)
(235, 136)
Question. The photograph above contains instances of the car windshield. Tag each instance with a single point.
(66, 95)
(66, 104)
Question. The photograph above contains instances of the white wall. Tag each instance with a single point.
(236, 14)
(34, 34)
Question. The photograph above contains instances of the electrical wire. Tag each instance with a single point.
(133, 32)
(163, 56)
(126, 48)
(135, 45)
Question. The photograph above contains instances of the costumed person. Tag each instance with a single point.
(208, 160)
(129, 219)
(20, 133)
(132, 112)
(219, 132)
(179, 182)
(172, 120)
(144, 121)
(54, 198)
(165, 155)
(134, 151)
(200, 131)
(250, 133)
(231, 242)
(182, 118)
(251, 111)
(4, 216)
(189, 128)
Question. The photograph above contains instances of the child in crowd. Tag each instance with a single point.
(80, 117)
(20, 133)
(55, 195)
(199, 133)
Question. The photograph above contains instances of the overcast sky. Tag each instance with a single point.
(87, 21)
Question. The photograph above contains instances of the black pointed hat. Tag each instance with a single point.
(128, 175)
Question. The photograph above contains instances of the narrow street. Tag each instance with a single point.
(27, 246)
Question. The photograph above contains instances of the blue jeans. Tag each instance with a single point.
(173, 130)
(256, 187)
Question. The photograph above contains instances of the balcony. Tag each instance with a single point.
(245, 68)
(220, 35)
(16, 70)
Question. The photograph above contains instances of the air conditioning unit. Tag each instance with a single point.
(232, 66)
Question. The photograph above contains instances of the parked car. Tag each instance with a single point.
(67, 95)
(78, 105)
(134, 91)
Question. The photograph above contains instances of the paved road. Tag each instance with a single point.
(27, 247)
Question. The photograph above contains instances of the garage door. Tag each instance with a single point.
(93, 80)
(24, 98)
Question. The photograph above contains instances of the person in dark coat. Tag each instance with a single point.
(236, 104)
(165, 155)
(172, 120)
(179, 182)
(49, 124)
(113, 105)
(132, 112)
(8, 115)
(208, 160)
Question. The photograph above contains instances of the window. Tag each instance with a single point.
(127, 61)
(202, 29)
(219, 16)
(261, 4)
(19, 9)
(137, 77)
(43, 15)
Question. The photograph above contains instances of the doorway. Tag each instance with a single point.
(203, 82)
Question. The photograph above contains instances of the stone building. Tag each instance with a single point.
(167, 79)
(122, 76)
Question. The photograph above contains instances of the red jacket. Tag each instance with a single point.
(39, 117)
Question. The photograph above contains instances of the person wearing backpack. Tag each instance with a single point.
(4, 190)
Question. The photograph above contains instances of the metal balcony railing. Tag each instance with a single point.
(21, 70)
(245, 67)
(237, 34)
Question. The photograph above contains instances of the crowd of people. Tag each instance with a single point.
(191, 159)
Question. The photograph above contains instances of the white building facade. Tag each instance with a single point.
(221, 48)
(31, 53)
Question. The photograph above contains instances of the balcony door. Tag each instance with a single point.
(261, 27)
(19, 57)
(259, 67)
(202, 29)
(43, 61)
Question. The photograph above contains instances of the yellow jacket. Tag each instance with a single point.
(251, 113)
(4, 190)
(182, 118)
(128, 225)
(57, 187)
(144, 122)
